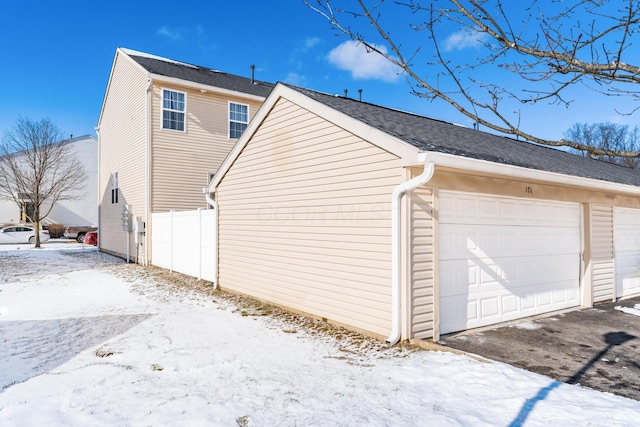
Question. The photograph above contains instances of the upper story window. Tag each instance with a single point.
(238, 119)
(173, 108)
(114, 187)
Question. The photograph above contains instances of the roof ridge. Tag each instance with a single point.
(422, 116)
(397, 110)
(132, 52)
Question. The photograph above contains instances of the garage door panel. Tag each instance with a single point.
(506, 258)
(462, 241)
(459, 208)
(460, 277)
(465, 312)
(629, 285)
(627, 251)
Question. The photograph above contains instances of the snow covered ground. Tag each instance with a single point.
(86, 340)
(635, 310)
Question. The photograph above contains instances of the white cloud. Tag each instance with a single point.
(311, 42)
(194, 34)
(353, 57)
(296, 79)
(463, 39)
(172, 33)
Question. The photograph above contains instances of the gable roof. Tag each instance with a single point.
(437, 136)
(81, 138)
(196, 74)
(69, 141)
(406, 135)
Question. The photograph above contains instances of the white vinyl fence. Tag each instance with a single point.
(185, 242)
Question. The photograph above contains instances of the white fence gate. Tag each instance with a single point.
(185, 242)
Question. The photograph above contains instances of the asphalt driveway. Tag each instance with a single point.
(596, 347)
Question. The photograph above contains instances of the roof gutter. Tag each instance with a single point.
(396, 242)
(206, 87)
(493, 168)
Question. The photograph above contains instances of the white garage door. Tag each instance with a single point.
(627, 251)
(505, 258)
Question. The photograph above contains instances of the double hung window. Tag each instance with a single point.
(173, 109)
(238, 119)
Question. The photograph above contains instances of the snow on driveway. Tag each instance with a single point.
(89, 341)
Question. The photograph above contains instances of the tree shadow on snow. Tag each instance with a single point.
(35, 347)
(611, 339)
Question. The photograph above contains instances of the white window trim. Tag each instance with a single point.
(229, 117)
(162, 89)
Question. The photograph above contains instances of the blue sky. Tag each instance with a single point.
(57, 57)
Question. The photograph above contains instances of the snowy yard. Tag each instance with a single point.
(89, 341)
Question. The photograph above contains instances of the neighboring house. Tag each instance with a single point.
(164, 128)
(81, 211)
(311, 217)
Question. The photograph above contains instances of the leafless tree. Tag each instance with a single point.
(608, 137)
(551, 45)
(37, 166)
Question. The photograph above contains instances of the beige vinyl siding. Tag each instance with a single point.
(181, 160)
(305, 220)
(602, 258)
(422, 259)
(122, 149)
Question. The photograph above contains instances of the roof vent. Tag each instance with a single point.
(253, 70)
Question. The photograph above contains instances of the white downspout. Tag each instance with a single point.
(99, 201)
(214, 205)
(396, 242)
(147, 191)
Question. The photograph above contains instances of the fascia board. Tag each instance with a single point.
(486, 167)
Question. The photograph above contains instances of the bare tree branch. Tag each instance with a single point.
(548, 44)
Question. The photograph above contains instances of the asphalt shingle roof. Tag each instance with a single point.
(434, 135)
(202, 75)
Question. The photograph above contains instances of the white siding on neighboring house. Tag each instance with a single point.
(602, 262)
(84, 210)
(305, 220)
(9, 212)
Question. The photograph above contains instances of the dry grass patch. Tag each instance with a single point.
(166, 284)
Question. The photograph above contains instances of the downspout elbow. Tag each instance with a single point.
(396, 242)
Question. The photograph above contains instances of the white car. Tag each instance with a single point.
(21, 234)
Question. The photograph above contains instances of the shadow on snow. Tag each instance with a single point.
(35, 347)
